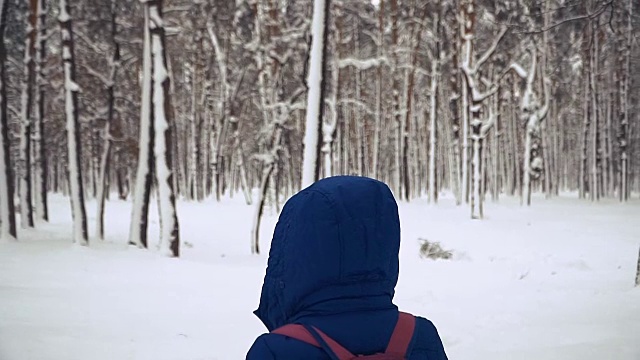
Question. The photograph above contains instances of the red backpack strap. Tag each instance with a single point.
(297, 332)
(402, 335)
(301, 333)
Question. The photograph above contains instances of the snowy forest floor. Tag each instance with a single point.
(553, 281)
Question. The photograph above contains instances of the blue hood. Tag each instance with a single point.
(334, 250)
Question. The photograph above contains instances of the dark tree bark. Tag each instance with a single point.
(7, 210)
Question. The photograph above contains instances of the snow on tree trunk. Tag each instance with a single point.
(40, 156)
(329, 125)
(26, 99)
(169, 232)
(329, 128)
(480, 126)
(464, 182)
(533, 114)
(144, 175)
(74, 144)
(106, 148)
(315, 96)
(7, 210)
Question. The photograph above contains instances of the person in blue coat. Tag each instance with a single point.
(333, 264)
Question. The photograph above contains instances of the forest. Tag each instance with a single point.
(190, 100)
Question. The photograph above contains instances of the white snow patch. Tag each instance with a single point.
(64, 15)
(554, 281)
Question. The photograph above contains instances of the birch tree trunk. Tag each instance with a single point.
(329, 125)
(7, 210)
(464, 182)
(379, 96)
(162, 124)
(144, 175)
(71, 89)
(316, 93)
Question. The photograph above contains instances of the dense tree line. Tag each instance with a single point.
(178, 98)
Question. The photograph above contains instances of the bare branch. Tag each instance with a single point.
(105, 81)
(491, 49)
(89, 43)
(362, 64)
(591, 16)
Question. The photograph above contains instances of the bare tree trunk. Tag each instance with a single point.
(433, 99)
(585, 139)
(623, 114)
(638, 271)
(26, 197)
(379, 97)
(316, 93)
(163, 123)
(465, 142)
(144, 176)
(397, 119)
(594, 194)
(267, 170)
(80, 234)
(7, 210)
(40, 156)
(103, 184)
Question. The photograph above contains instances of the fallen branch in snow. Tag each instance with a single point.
(433, 250)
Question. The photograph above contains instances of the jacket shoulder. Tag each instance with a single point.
(426, 343)
(280, 347)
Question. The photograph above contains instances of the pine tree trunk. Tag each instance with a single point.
(80, 234)
(7, 210)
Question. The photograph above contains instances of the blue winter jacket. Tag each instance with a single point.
(333, 264)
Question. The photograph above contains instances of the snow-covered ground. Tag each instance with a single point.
(554, 281)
